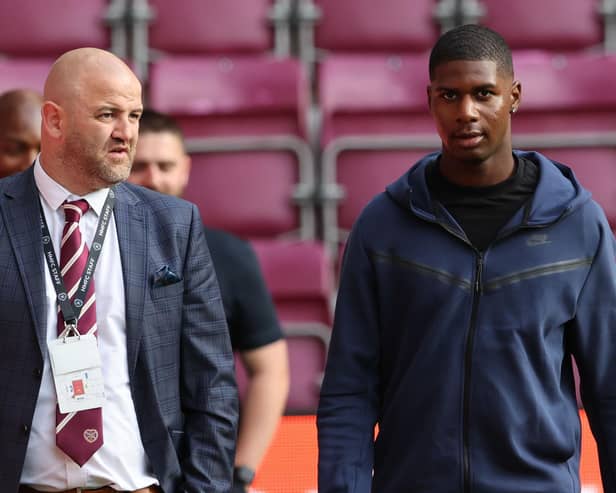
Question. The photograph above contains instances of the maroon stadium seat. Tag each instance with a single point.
(24, 73)
(368, 26)
(308, 345)
(568, 111)
(372, 132)
(31, 28)
(547, 24)
(299, 275)
(244, 116)
(210, 26)
(34, 33)
(307, 348)
(243, 111)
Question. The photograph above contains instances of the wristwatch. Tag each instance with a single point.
(243, 475)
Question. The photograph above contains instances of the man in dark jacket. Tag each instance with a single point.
(466, 287)
(162, 164)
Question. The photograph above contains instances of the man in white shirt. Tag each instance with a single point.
(169, 416)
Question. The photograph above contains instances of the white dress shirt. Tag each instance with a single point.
(121, 462)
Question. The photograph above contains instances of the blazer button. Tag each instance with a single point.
(38, 372)
(26, 429)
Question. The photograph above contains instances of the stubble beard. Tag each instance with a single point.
(98, 168)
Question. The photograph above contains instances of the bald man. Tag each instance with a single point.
(20, 130)
(116, 370)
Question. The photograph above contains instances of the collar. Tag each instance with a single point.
(55, 194)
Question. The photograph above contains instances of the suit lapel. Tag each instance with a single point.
(23, 224)
(132, 234)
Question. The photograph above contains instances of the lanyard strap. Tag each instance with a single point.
(70, 311)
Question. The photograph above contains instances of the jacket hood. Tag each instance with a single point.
(558, 192)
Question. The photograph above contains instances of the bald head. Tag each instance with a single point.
(20, 130)
(79, 67)
(90, 120)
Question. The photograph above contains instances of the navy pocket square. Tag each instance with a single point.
(165, 276)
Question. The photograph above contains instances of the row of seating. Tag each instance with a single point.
(247, 113)
(298, 111)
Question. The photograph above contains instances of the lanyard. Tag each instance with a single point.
(70, 311)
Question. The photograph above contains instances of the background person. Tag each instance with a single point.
(466, 287)
(161, 163)
(168, 421)
(20, 130)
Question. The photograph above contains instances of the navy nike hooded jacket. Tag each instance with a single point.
(462, 357)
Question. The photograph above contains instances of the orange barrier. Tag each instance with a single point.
(290, 465)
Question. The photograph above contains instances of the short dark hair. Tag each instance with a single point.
(153, 121)
(471, 42)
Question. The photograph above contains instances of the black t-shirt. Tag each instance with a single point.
(482, 211)
(249, 309)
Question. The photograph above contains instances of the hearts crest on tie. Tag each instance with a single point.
(90, 435)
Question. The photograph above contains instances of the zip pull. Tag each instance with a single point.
(478, 272)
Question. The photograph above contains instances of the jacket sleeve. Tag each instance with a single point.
(349, 402)
(207, 388)
(594, 349)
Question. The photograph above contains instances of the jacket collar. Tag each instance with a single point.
(558, 192)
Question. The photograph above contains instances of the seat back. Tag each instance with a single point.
(368, 26)
(307, 346)
(210, 26)
(372, 132)
(572, 25)
(568, 112)
(24, 74)
(31, 28)
(253, 172)
(299, 275)
(34, 33)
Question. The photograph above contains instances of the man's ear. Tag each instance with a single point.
(187, 165)
(516, 96)
(52, 115)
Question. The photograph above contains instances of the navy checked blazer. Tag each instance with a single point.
(178, 349)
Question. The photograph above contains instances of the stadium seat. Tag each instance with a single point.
(386, 26)
(573, 25)
(208, 27)
(34, 33)
(244, 117)
(371, 132)
(307, 346)
(185, 27)
(23, 74)
(568, 112)
(31, 28)
(242, 108)
(299, 275)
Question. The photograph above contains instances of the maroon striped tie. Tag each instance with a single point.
(78, 434)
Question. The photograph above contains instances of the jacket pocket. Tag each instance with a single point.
(168, 291)
(177, 438)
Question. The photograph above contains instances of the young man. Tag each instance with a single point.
(466, 287)
(20, 130)
(144, 399)
(161, 164)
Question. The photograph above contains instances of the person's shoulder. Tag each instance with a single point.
(228, 244)
(16, 183)
(150, 199)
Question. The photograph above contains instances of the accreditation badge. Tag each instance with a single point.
(77, 373)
